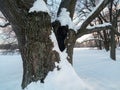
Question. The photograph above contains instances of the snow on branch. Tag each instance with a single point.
(93, 15)
(65, 19)
(39, 5)
(100, 27)
(91, 29)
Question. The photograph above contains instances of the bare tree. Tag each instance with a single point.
(33, 30)
(110, 14)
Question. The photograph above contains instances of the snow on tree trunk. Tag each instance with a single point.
(32, 26)
(37, 54)
(64, 31)
(70, 42)
(62, 75)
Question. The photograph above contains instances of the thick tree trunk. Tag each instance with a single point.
(36, 50)
(33, 32)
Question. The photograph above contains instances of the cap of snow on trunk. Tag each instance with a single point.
(39, 5)
(64, 18)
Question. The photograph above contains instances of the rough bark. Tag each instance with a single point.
(70, 39)
(69, 5)
(37, 54)
(70, 42)
(33, 32)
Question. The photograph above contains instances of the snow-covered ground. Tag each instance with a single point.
(94, 67)
(97, 69)
(10, 72)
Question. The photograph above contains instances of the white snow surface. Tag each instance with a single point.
(3, 22)
(85, 37)
(96, 71)
(53, 38)
(96, 68)
(39, 5)
(64, 79)
(99, 25)
(65, 19)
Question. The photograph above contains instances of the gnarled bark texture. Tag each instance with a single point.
(37, 54)
(36, 48)
(33, 32)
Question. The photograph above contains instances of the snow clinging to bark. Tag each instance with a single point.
(60, 79)
(39, 5)
(53, 38)
(100, 25)
(65, 19)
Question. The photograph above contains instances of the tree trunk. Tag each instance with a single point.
(113, 46)
(37, 54)
(112, 40)
(100, 44)
(71, 39)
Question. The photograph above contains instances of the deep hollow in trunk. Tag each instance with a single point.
(69, 38)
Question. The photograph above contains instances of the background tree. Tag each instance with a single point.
(109, 14)
(8, 41)
(33, 30)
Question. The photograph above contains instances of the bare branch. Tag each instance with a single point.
(96, 28)
(69, 5)
(15, 10)
(93, 15)
(100, 27)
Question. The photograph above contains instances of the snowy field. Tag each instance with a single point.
(94, 68)
(97, 69)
